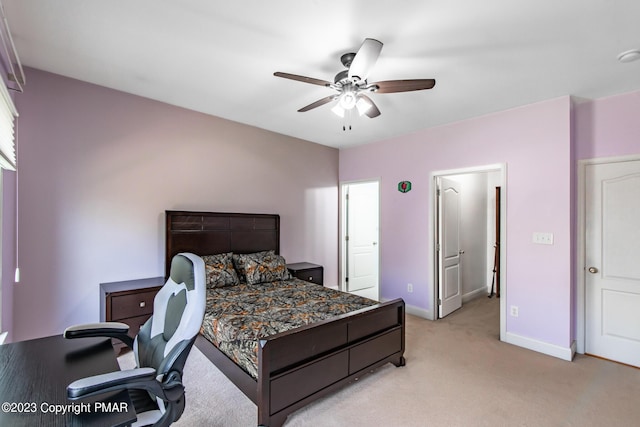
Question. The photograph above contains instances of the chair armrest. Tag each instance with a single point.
(112, 381)
(104, 329)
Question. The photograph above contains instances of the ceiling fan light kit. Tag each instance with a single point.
(348, 99)
(360, 103)
(363, 105)
(352, 85)
(629, 55)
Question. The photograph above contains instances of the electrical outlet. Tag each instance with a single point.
(514, 311)
(409, 287)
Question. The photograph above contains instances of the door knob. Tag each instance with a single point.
(593, 270)
(375, 243)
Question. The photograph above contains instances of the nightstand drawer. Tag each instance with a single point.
(135, 323)
(306, 271)
(132, 305)
(313, 276)
(130, 302)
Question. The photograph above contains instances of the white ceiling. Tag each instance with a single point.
(219, 57)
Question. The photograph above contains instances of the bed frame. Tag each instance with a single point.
(301, 365)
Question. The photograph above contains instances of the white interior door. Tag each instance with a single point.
(449, 284)
(362, 223)
(612, 245)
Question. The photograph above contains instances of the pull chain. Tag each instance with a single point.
(346, 125)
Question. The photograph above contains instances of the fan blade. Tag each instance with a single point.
(393, 86)
(318, 103)
(373, 109)
(303, 79)
(365, 59)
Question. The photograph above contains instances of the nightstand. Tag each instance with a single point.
(129, 302)
(306, 271)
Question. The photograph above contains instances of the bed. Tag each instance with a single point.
(296, 366)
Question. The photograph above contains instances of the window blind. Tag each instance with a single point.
(8, 114)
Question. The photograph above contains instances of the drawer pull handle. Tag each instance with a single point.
(310, 278)
(142, 304)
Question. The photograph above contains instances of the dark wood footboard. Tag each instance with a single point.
(299, 366)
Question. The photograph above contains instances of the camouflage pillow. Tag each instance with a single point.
(239, 261)
(261, 267)
(219, 270)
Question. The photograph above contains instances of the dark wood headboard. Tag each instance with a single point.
(208, 233)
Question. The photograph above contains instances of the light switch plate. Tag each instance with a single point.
(541, 238)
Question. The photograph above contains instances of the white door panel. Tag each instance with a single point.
(621, 233)
(362, 231)
(450, 288)
(612, 282)
(363, 264)
(620, 315)
(451, 281)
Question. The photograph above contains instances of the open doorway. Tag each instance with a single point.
(466, 252)
(360, 223)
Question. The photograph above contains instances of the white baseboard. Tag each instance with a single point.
(413, 310)
(417, 311)
(480, 292)
(564, 353)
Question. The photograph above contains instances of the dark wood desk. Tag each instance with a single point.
(34, 376)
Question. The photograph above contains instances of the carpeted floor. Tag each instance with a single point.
(458, 373)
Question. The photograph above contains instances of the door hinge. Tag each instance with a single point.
(346, 279)
(439, 301)
(438, 192)
(346, 238)
(438, 247)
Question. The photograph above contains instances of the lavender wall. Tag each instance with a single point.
(535, 144)
(608, 127)
(99, 167)
(88, 152)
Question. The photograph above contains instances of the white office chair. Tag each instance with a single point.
(161, 347)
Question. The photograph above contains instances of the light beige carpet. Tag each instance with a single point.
(458, 374)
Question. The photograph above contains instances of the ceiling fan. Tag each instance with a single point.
(352, 86)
